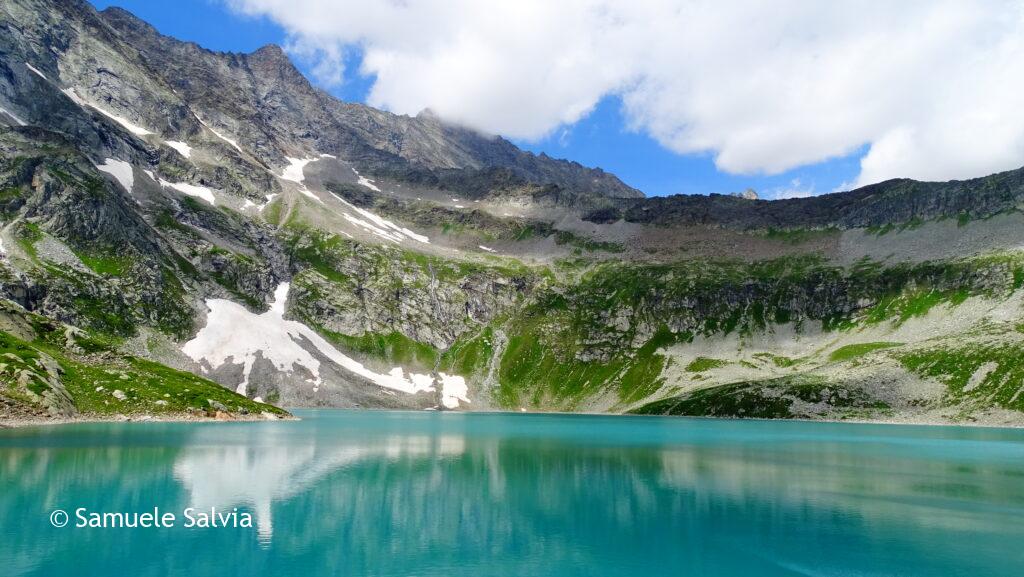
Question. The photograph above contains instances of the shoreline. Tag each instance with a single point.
(911, 420)
(40, 421)
(908, 420)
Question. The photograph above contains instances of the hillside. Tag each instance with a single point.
(191, 217)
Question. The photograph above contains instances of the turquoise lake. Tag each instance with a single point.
(451, 494)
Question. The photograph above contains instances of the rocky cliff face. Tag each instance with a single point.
(162, 205)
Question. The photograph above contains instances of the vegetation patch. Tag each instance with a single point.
(166, 220)
(587, 244)
(393, 347)
(533, 372)
(551, 360)
(470, 355)
(272, 212)
(849, 352)
(101, 382)
(989, 373)
(778, 360)
(701, 364)
(104, 264)
(27, 235)
(797, 396)
(737, 400)
(148, 387)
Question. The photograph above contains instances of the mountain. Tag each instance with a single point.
(190, 232)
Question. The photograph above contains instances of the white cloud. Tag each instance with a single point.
(796, 189)
(931, 86)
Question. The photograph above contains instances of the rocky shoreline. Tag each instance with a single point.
(36, 421)
(996, 420)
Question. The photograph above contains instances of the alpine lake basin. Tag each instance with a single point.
(387, 493)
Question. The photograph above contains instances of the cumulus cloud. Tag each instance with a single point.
(931, 86)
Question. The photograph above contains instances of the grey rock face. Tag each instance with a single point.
(381, 296)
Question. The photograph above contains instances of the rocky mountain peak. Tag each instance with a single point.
(123, 19)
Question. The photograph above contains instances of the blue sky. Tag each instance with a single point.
(600, 138)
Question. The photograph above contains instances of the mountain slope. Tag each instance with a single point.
(217, 214)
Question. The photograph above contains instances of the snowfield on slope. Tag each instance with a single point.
(127, 124)
(365, 220)
(34, 69)
(363, 181)
(233, 333)
(219, 135)
(120, 170)
(187, 189)
(182, 147)
(380, 226)
(293, 171)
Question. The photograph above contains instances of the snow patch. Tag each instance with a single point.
(459, 206)
(368, 183)
(191, 190)
(248, 204)
(269, 199)
(34, 69)
(310, 194)
(482, 247)
(379, 226)
(10, 114)
(128, 125)
(372, 229)
(217, 134)
(453, 390)
(293, 171)
(182, 148)
(121, 171)
(70, 93)
(2, 250)
(234, 333)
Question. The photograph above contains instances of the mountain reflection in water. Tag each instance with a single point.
(399, 493)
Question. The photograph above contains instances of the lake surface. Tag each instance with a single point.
(446, 494)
